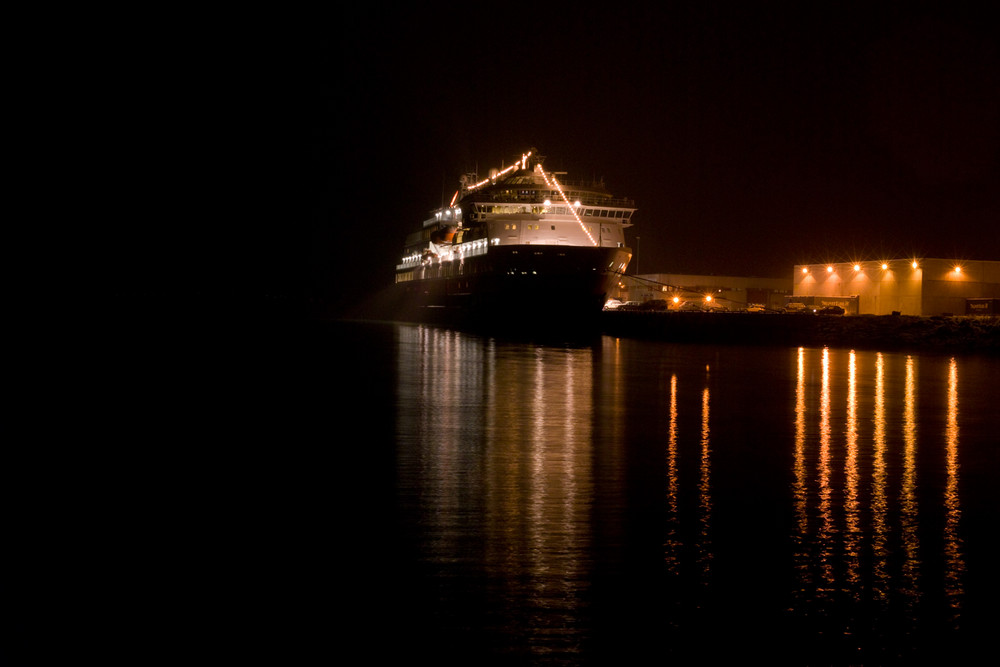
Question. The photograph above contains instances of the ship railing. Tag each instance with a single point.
(447, 252)
(533, 198)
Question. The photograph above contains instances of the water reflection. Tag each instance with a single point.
(705, 489)
(826, 529)
(879, 501)
(691, 528)
(955, 566)
(672, 542)
(800, 473)
(561, 497)
(857, 489)
(852, 504)
(908, 498)
(501, 461)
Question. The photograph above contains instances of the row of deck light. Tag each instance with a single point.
(461, 249)
(576, 204)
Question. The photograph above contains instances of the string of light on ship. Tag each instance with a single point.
(881, 265)
(521, 164)
(549, 180)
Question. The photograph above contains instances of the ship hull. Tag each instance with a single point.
(514, 285)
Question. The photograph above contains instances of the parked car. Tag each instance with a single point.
(692, 306)
(830, 310)
(756, 308)
(796, 307)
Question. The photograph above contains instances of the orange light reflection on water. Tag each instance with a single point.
(908, 492)
(855, 489)
(826, 527)
(879, 500)
(954, 588)
(852, 504)
(704, 550)
(672, 544)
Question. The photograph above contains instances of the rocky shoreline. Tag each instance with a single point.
(965, 334)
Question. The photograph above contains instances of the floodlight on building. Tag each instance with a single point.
(958, 269)
(884, 266)
(914, 264)
(829, 269)
(805, 269)
(857, 267)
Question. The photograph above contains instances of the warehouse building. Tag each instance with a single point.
(925, 287)
(723, 292)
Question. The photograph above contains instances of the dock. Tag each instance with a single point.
(962, 334)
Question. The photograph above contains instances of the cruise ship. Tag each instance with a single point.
(522, 244)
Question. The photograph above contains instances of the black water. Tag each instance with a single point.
(611, 501)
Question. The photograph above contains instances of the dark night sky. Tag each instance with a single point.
(752, 138)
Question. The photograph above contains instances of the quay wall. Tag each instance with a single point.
(885, 332)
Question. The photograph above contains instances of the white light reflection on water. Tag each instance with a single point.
(502, 463)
